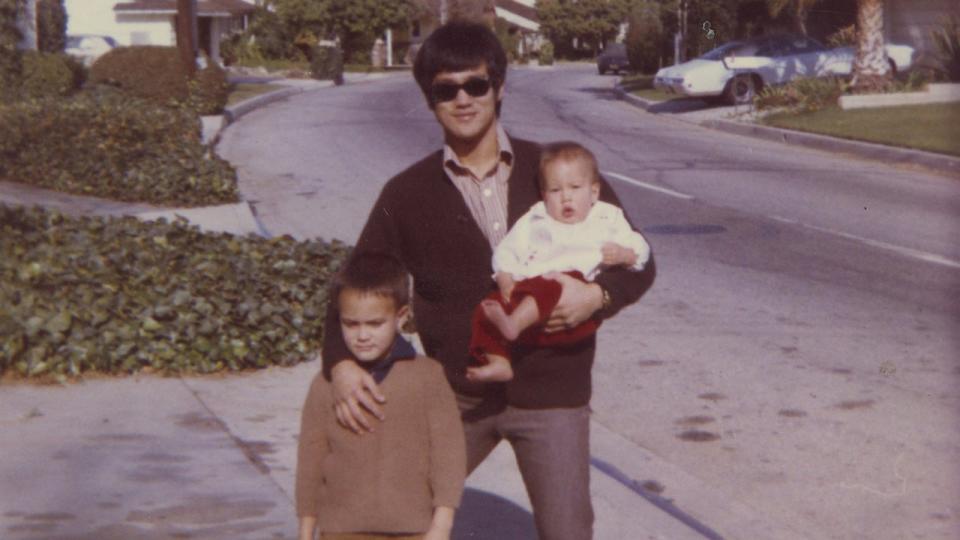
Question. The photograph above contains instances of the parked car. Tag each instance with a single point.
(87, 48)
(736, 71)
(613, 58)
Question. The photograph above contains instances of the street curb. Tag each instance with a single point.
(234, 112)
(875, 151)
(880, 152)
(625, 95)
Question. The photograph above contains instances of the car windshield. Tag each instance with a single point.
(723, 50)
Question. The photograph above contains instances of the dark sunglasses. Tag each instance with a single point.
(446, 91)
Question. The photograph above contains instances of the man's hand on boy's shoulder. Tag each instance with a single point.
(578, 302)
(356, 397)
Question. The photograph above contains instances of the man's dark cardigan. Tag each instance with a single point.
(422, 219)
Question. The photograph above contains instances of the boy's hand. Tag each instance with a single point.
(615, 254)
(308, 524)
(441, 525)
(578, 302)
(354, 391)
(506, 283)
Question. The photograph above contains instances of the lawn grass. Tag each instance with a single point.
(242, 91)
(278, 64)
(934, 128)
(641, 85)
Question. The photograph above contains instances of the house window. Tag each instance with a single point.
(139, 38)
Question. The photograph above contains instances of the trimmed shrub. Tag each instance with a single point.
(326, 64)
(644, 37)
(157, 73)
(47, 74)
(545, 54)
(146, 71)
(111, 145)
(51, 26)
(118, 296)
(208, 90)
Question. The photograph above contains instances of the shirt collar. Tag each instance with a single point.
(451, 160)
(400, 350)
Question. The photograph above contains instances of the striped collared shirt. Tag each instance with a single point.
(485, 197)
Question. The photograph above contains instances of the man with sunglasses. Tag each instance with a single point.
(441, 218)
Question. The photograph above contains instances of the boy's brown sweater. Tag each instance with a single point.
(422, 219)
(390, 480)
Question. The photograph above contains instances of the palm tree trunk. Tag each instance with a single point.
(871, 69)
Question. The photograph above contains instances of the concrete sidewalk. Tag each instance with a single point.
(214, 457)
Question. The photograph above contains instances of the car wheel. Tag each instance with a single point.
(740, 90)
(602, 71)
(893, 68)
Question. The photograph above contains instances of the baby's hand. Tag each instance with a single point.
(614, 254)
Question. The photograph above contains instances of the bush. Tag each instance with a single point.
(947, 41)
(81, 295)
(545, 54)
(208, 91)
(804, 94)
(644, 36)
(158, 74)
(111, 145)
(47, 74)
(326, 64)
(51, 26)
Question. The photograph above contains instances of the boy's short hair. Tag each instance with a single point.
(379, 274)
(566, 151)
(457, 46)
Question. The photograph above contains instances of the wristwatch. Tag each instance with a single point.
(606, 298)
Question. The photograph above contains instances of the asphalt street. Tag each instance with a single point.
(798, 355)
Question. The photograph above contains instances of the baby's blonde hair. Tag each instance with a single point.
(566, 151)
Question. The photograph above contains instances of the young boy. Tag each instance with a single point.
(569, 231)
(405, 479)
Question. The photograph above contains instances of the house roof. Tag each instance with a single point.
(525, 11)
(206, 8)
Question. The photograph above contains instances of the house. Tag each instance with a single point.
(154, 22)
(910, 22)
(520, 16)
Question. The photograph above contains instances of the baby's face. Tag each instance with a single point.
(569, 190)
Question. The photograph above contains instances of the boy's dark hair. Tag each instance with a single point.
(566, 151)
(379, 274)
(457, 46)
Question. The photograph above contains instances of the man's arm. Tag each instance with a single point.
(354, 391)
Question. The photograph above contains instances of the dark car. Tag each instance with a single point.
(613, 58)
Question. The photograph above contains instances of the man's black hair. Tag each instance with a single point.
(378, 274)
(458, 46)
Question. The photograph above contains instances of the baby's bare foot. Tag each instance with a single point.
(499, 318)
(497, 370)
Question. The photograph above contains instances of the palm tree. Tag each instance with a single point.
(871, 68)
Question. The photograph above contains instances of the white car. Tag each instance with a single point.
(88, 48)
(736, 71)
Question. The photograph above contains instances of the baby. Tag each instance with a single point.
(570, 231)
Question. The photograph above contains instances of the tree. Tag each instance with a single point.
(10, 36)
(645, 41)
(871, 68)
(799, 9)
(51, 26)
(570, 24)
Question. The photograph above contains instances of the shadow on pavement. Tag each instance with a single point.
(679, 105)
(608, 94)
(485, 516)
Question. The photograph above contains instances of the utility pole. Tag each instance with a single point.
(187, 34)
(681, 34)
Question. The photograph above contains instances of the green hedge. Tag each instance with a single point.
(110, 145)
(46, 74)
(326, 64)
(158, 74)
(116, 295)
